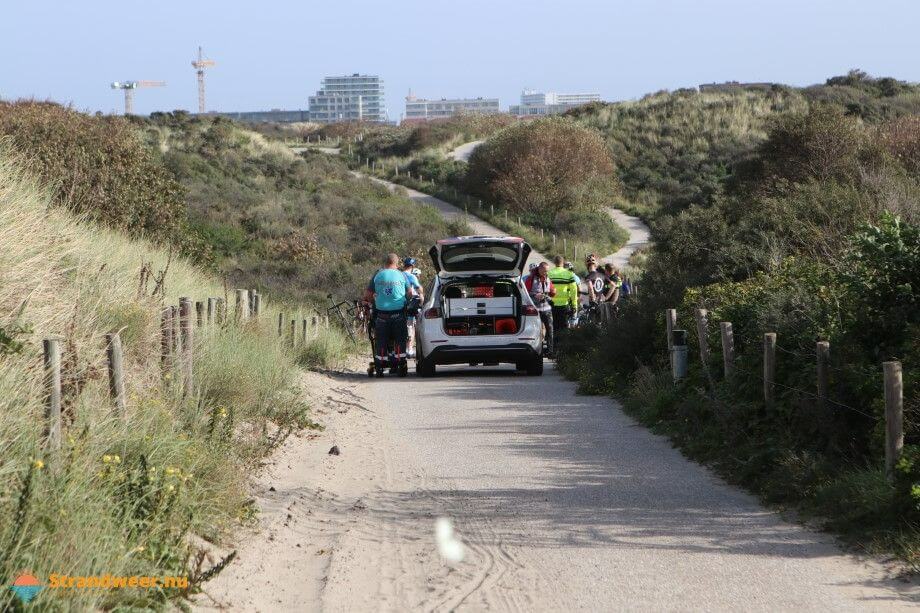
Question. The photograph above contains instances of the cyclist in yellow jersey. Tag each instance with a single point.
(565, 302)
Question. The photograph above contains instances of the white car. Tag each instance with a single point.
(478, 311)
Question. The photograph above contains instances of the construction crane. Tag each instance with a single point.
(199, 65)
(129, 87)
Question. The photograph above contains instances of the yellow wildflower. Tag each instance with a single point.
(38, 464)
(106, 459)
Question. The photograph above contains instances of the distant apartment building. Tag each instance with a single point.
(534, 103)
(349, 98)
(420, 109)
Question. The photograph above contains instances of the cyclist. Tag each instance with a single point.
(615, 282)
(412, 274)
(541, 291)
(530, 270)
(599, 288)
(565, 302)
(390, 291)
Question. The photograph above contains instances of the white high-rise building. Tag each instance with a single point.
(419, 109)
(349, 98)
(534, 103)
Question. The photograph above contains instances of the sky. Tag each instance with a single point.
(273, 54)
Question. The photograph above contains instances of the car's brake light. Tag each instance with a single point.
(432, 313)
(530, 309)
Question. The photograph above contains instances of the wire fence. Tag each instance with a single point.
(766, 369)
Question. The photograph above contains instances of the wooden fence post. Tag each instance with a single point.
(212, 308)
(314, 325)
(52, 351)
(823, 351)
(769, 368)
(188, 344)
(293, 333)
(176, 330)
(221, 311)
(304, 333)
(199, 313)
(728, 348)
(166, 342)
(256, 304)
(670, 323)
(280, 324)
(492, 210)
(116, 371)
(565, 247)
(242, 305)
(894, 415)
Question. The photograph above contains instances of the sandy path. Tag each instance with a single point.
(464, 151)
(562, 502)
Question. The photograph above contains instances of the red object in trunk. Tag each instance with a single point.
(483, 291)
(458, 329)
(505, 325)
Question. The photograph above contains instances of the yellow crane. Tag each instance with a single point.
(199, 65)
(129, 86)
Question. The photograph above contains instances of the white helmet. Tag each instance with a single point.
(416, 272)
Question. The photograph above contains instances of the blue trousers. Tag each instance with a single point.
(390, 328)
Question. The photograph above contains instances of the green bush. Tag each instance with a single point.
(544, 167)
(297, 226)
(96, 165)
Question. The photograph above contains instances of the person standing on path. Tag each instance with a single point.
(599, 288)
(390, 290)
(541, 291)
(411, 271)
(565, 302)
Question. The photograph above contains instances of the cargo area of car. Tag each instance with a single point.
(481, 307)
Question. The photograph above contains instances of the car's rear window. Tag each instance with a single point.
(485, 256)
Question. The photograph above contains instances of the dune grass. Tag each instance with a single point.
(123, 496)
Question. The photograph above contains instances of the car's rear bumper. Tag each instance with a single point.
(511, 353)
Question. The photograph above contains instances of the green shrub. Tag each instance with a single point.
(96, 165)
(544, 167)
(297, 226)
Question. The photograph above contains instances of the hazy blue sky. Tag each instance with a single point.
(273, 54)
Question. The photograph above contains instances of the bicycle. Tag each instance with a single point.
(352, 312)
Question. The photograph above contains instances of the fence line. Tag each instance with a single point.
(892, 375)
(177, 352)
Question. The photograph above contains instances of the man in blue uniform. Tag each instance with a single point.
(390, 291)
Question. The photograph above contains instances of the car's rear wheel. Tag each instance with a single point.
(535, 367)
(424, 367)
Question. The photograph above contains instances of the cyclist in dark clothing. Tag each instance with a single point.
(599, 286)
